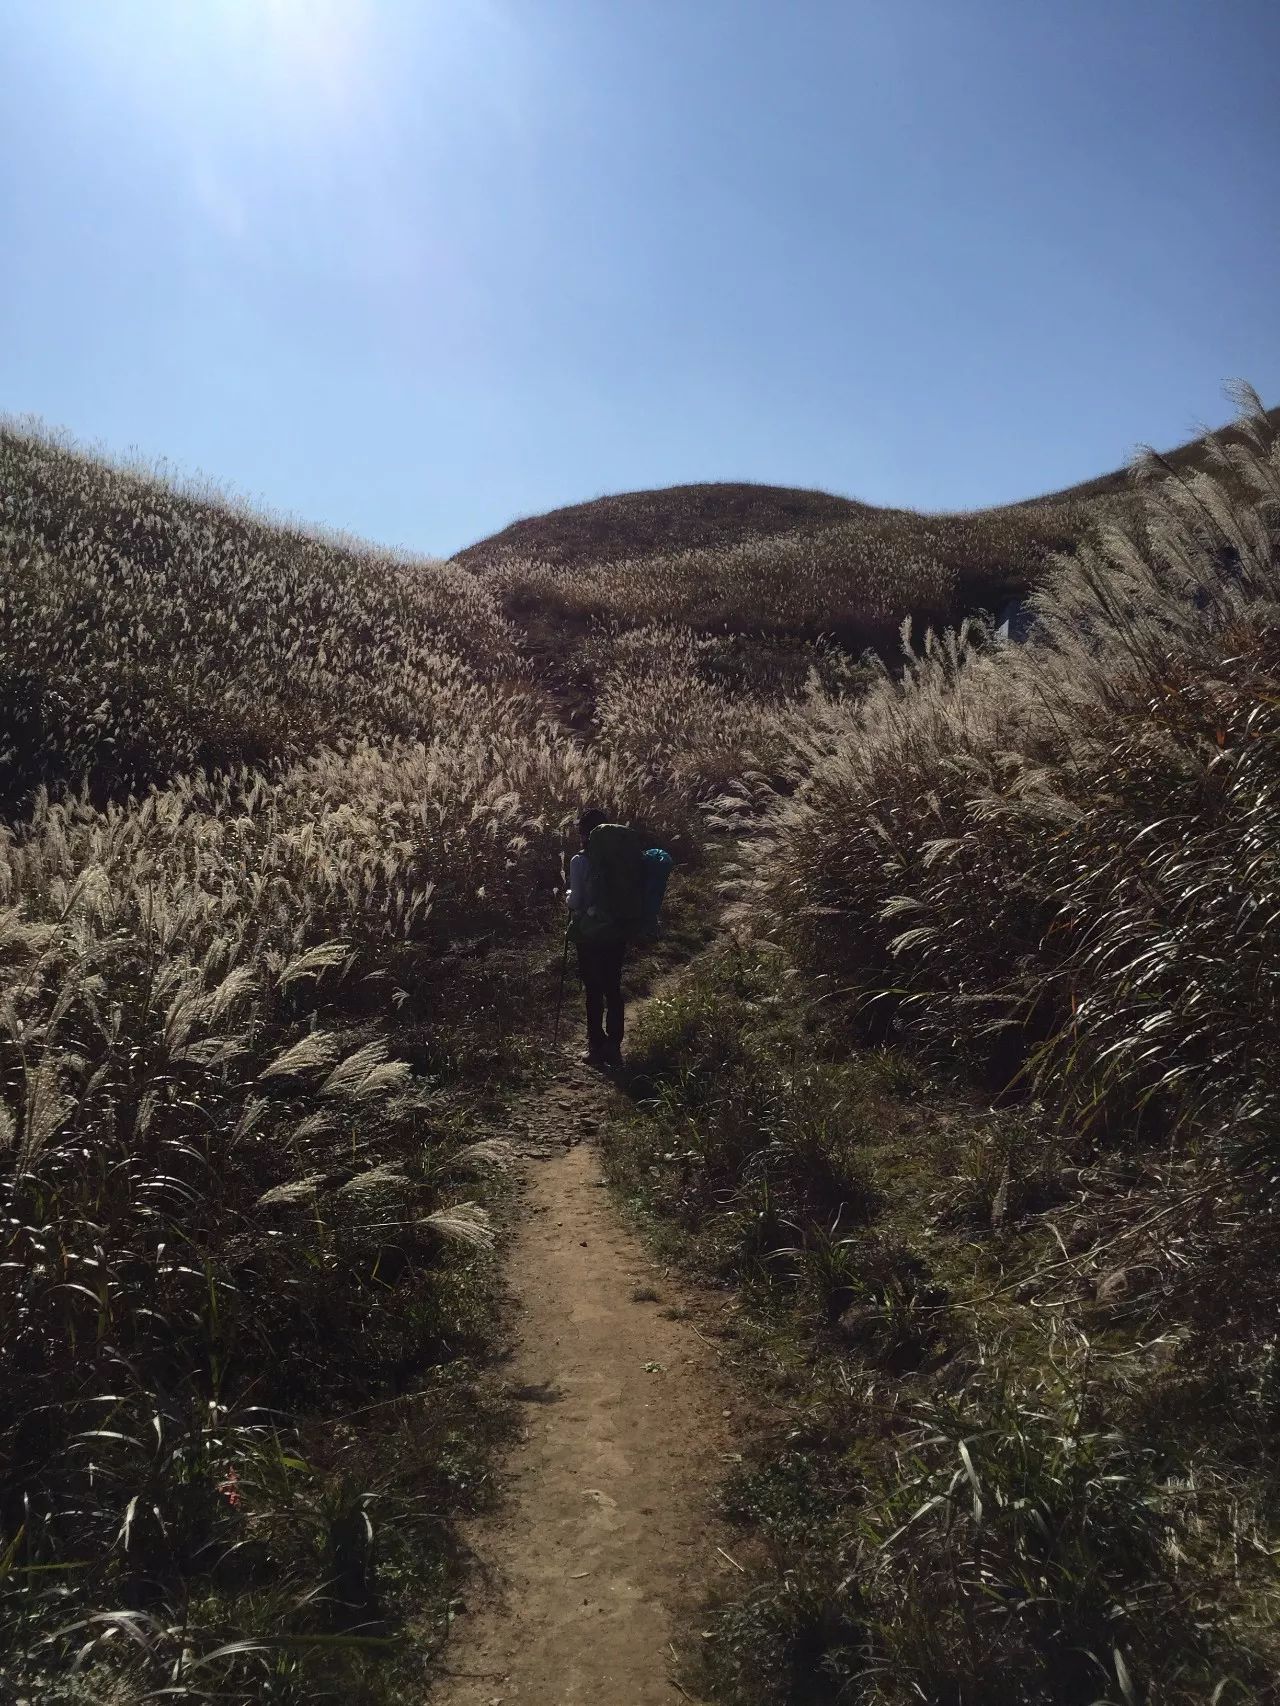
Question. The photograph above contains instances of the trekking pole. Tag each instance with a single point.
(564, 958)
(564, 966)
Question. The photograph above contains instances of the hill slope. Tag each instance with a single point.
(280, 822)
(279, 830)
(772, 562)
(146, 632)
(1027, 1241)
(1188, 457)
(671, 518)
(713, 514)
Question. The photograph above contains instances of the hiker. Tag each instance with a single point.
(602, 949)
(616, 886)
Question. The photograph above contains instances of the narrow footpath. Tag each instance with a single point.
(605, 1535)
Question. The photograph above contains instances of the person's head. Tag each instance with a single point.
(589, 820)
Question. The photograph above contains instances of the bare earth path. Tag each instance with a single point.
(606, 1522)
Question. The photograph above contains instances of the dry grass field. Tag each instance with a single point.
(975, 1099)
(980, 1107)
(284, 825)
(770, 561)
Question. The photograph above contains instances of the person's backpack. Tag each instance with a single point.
(657, 869)
(628, 882)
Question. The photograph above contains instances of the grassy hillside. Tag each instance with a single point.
(768, 561)
(145, 632)
(980, 1109)
(976, 1103)
(1184, 459)
(628, 525)
(284, 822)
(852, 580)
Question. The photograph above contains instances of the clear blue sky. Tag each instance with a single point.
(416, 267)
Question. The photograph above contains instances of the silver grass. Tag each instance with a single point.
(317, 1049)
(486, 1152)
(230, 994)
(365, 1074)
(46, 1108)
(314, 1124)
(250, 1117)
(374, 1180)
(312, 963)
(463, 1223)
(295, 1191)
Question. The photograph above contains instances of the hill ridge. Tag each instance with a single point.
(611, 527)
(705, 514)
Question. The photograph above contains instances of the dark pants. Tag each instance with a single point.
(600, 964)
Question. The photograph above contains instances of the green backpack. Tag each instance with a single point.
(618, 885)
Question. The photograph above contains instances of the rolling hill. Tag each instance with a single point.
(969, 1098)
(781, 563)
(713, 514)
(670, 518)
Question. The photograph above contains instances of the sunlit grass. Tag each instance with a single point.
(277, 801)
(284, 816)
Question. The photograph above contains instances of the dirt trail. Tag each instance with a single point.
(605, 1529)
